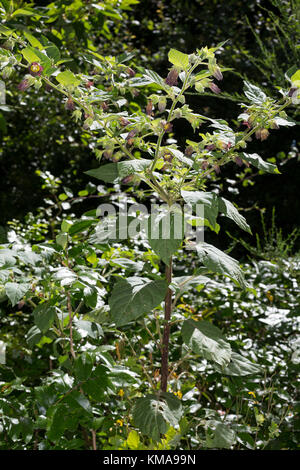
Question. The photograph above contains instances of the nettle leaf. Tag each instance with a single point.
(206, 340)
(44, 316)
(253, 93)
(209, 202)
(15, 291)
(67, 79)
(165, 232)
(219, 262)
(135, 296)
(153, 415)
(110, 172)
(34, 55)
(259, 163)
(230, 211)
(239, 366)
(179, 59)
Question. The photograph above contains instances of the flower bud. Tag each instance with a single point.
(88, 84)
(214, 88)
(264, 134)
(23, 85)
(128, 179)
(238, 161)
(210, 147)
(168, 157)
(70, 106)
(162, 103)
(167, 126)
(217, 169)
(172, 77)
(274, 125)
(292, 91)
(124, 122)
(216, 72)
(189, 151)
(204, 165)
(149, 108)
(130, 72)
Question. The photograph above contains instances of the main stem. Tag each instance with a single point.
(166, 333)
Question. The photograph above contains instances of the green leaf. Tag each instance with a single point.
(295, 77)
(44, 316)
(15, 291)
(239, 366)
(81, 226)
(133, 440)
(83, 366)
(153, 415)
(62, 239)
(179, 59)
(53, 52)
(33, 41)
(97, 383)
(7, 258)
(86, 328)
(165, 231)
(228, 209)
(35, 55)
(219, 262)
(259, 163)
(67, 79)
(219, 436)
(111, 229)
(208, 200)
(110, 172)
(135, 296)
(182, 284)
(253, 93)
(206, 340)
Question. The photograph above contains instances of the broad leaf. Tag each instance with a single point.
(179, 59)
(135, 296)
(219, 262)
(110, 172)
(44, 316)
(228, 209)
(165, 232)
(240, 366)
(259, 163)
(67, 79)
(206, 340)
(15, 291)
(253, 93)
(153, 415)
(209, 201)
(219, 436)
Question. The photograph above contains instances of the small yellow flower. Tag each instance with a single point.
(120, 422)
(252, 393)
(121, 392)
(178, 394)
